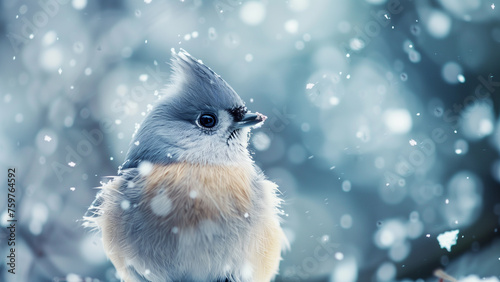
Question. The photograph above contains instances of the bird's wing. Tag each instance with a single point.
(95, 209)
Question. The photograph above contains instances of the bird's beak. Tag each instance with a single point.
(251, 119)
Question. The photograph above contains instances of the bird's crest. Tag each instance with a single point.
(201, 82)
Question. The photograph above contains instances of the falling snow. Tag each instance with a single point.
(193, 194)
(125, 204)
(145, 168)
(448, 239)
(161, 204)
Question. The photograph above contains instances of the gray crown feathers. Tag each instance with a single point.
(195, 76)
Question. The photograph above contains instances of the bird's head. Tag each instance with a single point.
(199, 119)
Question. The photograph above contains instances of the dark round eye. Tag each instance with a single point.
(207, 120)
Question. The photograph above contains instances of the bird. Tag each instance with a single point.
(189, 203)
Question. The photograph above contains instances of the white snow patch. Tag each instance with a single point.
(79, 4)
(145, 168)
(346, 186)
(398, 120)
(356, 44)
(161, 204)
(125, 205)
(309, 85)
(339, 256)
(261, 141)
(334, 101)
(448, 239)
(438, 24)
(249, 58)
(252, 12)
(346, 221)
(345, 270)
(386, 272)
(291, 26)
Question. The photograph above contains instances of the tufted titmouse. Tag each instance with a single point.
(189, 204)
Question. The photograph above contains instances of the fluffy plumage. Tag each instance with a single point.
(189, 203)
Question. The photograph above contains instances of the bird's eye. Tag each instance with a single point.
(207, 120)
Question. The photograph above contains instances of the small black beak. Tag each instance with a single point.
(250, 119)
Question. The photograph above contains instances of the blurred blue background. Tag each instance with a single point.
(383, 127)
